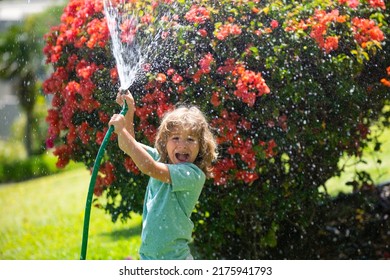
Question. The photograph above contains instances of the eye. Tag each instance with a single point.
(192, 139)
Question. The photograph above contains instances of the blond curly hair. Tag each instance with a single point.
(193, 119)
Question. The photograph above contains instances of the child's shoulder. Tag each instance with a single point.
(152, 151)
(186, 171)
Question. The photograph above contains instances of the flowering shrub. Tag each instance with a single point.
(289, 86)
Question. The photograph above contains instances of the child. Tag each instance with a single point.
(177, 166)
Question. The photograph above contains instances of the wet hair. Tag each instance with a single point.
(191, 118)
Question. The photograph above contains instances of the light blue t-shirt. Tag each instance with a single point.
(166, 224)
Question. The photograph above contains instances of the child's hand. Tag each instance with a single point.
(118, 121)
(128, 97)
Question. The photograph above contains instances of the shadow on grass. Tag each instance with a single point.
(123, 233)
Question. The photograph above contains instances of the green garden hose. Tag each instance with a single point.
(92, 186)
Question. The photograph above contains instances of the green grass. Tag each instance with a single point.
(42, 219)
(379, 172)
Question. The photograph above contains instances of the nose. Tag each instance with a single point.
(181, 142)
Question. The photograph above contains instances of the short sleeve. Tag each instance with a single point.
(186, 177)
(153, 152)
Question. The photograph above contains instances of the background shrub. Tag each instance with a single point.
(15, 166)
(289, 86)
(28, 168)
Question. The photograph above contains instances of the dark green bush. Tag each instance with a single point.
(349, 226)
(29, 168)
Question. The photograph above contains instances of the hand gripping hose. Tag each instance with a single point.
(92, 185)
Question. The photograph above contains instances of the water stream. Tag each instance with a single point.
(130, 49)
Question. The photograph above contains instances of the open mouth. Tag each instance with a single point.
(182, 157)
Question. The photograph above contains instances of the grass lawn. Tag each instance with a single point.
(42, 219)
(380, 173)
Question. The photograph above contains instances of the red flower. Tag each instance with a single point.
(53, 119)
(377, 4)
(72, 135)
(98, 32)
(103, 117)
(181, 89)
(205, 63)
(83, 132)
(197, 14)
(215, 99)
(161, 78)
(320, 24)
(385, 82)
(162, 108)
(106, 177)
(247, 176)
(202, 32)
(274, 24)
(269, 147)
(63, 153)
(226, 125)
(177, 78)
(50, 142)
(146, 19)
(148, 130)
(366, 30)
(228, 67)
(56, 81)
(67, 112)
(130, 166)
(85, 70)
(114, 74)
(223, 32)
(331, 44)
(351, 3)
(221, 170)
(129, 30)
(249, 85)
(171, 71)
(196, 77)
(226, 30)
(244, 150)
(100, 135)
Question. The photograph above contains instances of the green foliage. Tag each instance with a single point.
(375, 160)
(21, 63)
(22, 170)
(10, 152)
(348, 227)
(38, 127)
(31, 167)
(16, 166)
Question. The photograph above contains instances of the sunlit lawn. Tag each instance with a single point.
(43, 218)
(380, 173)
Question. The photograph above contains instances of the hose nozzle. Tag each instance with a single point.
(124, 107)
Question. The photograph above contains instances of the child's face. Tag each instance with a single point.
(182, 146)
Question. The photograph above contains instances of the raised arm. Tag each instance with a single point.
(124, 128)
